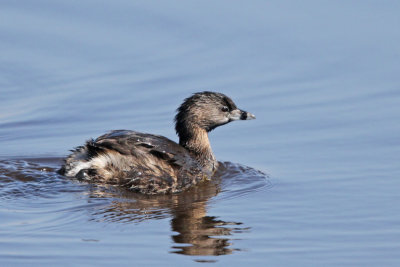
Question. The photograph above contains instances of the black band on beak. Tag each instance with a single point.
(243, 116)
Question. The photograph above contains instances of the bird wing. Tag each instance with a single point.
(134, 143)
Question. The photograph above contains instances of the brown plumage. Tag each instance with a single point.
(153, 164)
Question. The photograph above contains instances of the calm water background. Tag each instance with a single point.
(322, 77)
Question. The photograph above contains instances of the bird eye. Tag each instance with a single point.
(225, 109)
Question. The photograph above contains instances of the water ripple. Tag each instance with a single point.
(43, 201)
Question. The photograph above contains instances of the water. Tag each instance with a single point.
(313, 181)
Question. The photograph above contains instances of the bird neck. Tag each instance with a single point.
(196, 141)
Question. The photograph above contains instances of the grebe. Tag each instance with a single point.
(153, 164)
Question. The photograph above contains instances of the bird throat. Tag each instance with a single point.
(199, 145)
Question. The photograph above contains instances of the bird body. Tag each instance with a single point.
(153, 164)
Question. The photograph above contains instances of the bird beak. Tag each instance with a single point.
(238, 114)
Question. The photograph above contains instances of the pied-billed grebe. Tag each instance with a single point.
(153, 164)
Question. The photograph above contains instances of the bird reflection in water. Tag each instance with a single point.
(196, 233)
(206, 235)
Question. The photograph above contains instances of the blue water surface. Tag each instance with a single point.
(313, 181)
